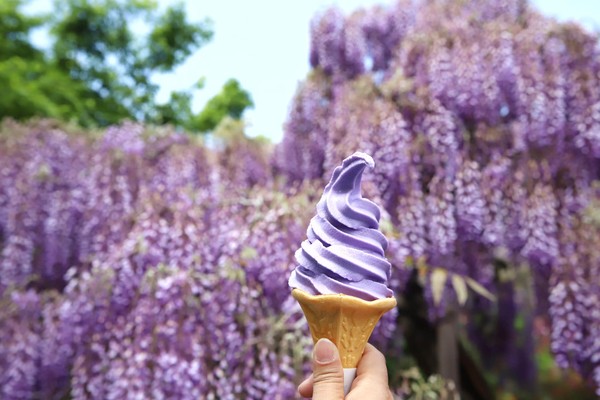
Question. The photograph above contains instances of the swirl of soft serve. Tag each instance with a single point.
(345, 251)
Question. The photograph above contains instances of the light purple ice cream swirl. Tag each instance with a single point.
(345, 251)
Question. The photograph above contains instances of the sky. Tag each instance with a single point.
(264, 44)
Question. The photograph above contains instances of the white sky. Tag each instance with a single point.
(264, 44)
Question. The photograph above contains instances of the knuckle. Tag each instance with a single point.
(328, 376)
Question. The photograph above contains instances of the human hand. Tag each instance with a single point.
(327, 380)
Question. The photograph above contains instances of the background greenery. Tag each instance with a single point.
(97, 71)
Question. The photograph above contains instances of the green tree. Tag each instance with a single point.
(15, 28)
(231, 101)
(30, 85)
(97, 71)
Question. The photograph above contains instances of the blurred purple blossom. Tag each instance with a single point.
(483, 120)
(141, 264)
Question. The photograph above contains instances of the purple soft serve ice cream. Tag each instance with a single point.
(345, 251)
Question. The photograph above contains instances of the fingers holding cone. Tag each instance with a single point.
(327, 380)
(371, 378)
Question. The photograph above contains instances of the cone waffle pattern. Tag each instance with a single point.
(345, 320)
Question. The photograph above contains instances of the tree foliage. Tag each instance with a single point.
(98, 69)
(231, 101)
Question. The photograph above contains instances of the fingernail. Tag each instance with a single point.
(324, 351)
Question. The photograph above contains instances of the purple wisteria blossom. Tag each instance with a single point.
(485, 115)
(142, 265)
(139, 263)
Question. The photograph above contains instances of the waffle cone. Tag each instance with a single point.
(345, 320)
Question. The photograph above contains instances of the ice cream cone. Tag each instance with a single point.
(345, 320)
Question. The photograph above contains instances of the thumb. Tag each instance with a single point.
(328, 375)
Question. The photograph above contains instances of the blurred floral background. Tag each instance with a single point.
(145, 246)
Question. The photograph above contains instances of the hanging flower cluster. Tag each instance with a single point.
(484, 118)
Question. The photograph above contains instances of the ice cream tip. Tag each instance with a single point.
(344, 252)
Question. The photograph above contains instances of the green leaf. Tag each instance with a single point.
(460, 288)
(173, 38)
(438, 282)
(519, 323)
(248, 253)
(230, 102)
(480, 289)
(201, 83)
(101, 65)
